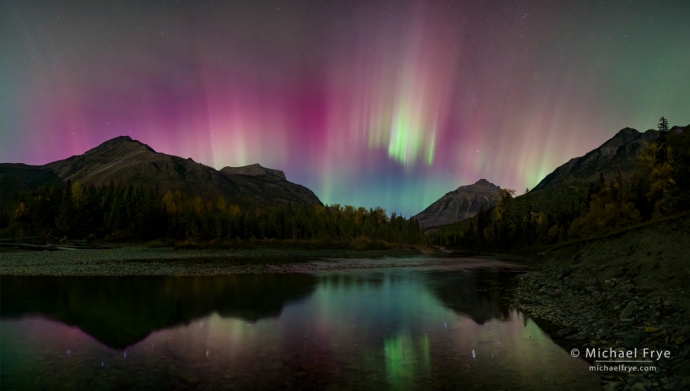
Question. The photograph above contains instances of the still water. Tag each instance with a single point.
(404, 328)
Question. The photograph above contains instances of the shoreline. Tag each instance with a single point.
(623, 292)
(580, 319)
(168, 261)
(157, 261)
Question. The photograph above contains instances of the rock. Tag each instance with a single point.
(638, 386)
(651, 329)
(613, 386)
(579, 336)
(626, 322)
(620, 336)
(682, 369)
(631, 341)
(685, 353)
(629, 311)
(669, 386)
(658, 336)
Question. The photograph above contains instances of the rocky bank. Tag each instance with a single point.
(624, 291)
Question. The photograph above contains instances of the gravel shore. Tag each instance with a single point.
(141, 261)
(610, 316)
(623, 292)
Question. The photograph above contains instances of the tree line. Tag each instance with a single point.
(658, 187)
(131, 212)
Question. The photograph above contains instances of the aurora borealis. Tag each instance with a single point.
(372, 103)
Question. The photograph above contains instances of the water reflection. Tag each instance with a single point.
(121, 311)
(473, 293)
(395, 329)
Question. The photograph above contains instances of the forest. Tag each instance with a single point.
(136, 213)
(658, 187)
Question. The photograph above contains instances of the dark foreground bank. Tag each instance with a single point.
(624, 293)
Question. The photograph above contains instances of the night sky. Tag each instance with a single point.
(389, 103)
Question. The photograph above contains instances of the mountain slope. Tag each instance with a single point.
(128, 161)
(460, 204)
(255, 170)
(617, 154)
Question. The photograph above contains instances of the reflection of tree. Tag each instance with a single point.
(120, 311)
(476, 295)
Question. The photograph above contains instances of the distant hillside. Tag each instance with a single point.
(130, 162)
(617, 154)
(564, 206)
(460, 204)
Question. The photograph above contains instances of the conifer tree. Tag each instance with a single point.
(663, 124)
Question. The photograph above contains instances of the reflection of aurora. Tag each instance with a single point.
(364, 329)
(406, 359)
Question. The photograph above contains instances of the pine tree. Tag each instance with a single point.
(663, 124)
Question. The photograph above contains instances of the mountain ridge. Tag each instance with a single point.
(125, 160)
(617, 154)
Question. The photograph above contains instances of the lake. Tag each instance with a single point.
(396, 328)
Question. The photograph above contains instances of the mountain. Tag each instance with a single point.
(128, 161)
(618, 154)
(460, 204)
(255, 170)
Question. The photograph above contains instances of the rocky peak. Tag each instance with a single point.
(626, 134)
(460, 204)
(120, 144)
(253, 170)
(482, 184)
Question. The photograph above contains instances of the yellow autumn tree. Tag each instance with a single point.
(77, 193)
(221, 205)
(20, 211)
(234, 210)
(658, 176)
(171, 202)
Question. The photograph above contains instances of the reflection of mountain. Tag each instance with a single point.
(476, 295)
(121, 311)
